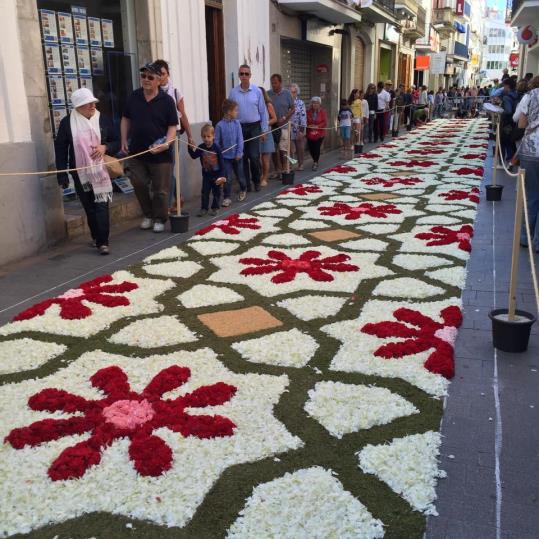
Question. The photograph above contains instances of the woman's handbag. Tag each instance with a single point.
(114, 167)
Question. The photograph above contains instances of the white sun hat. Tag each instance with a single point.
(82, 96)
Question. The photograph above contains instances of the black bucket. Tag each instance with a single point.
(511, 335)
(287, 178)
(358, 148)
(408, 127)
(179, 223)
(395, 133)
(494, 193)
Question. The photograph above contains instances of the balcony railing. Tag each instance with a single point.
(415, 29)
(444, 20)
(389, 5)
(461, 50)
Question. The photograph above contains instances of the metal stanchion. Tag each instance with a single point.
(180, 221)
(494, 191)
(288, 175)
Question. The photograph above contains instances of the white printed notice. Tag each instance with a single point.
(94, 29)
(81, 30)
(69, 59)
(83, 55)
(52, 58)
(56, 89)
(65, 27)
(86, 82)
(48, 26)
(72, 84)
(97, 61)
(107, 28)
(58, 113)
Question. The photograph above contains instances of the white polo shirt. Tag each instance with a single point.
(384, 98)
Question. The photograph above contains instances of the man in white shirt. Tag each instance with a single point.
(384, 98)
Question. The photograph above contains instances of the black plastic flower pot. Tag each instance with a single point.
(179, 223)
(287, 178)
(408, 127)
(394, 133)
(511, 335)
(358, 148)
(494, 193)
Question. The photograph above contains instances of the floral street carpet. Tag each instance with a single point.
(280, 374)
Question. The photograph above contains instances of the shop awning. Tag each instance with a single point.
(327, 10)
(422, 63)
(459, 27)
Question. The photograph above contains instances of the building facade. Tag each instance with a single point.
(525, 13)
(498, 43)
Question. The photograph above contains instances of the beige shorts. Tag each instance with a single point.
(283, 143)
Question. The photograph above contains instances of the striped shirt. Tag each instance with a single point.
(251, 106)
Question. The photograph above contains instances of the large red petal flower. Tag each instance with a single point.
(151, 456)
(74, 461)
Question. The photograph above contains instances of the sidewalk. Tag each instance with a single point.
(491, 419)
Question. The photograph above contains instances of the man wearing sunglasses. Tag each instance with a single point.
(253, 116)
(149, 122)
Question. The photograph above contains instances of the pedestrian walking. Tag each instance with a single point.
(149, 121)
(509, 99)
(253, 116)
(213, 170)
(283, 103)
(267, 146)
(372, 99)
(83, 139)
(316, 123)
(344, 118)
(185, 127)
(229, 138)
(299, 124)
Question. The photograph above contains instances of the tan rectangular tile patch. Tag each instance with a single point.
(239, 321)
(337, 234)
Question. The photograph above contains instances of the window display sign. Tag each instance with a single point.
(56, 89)
(108, 33)
(81, 30)
(48, 26)
(65, 26)
(72, 84)
(94, 29)
(97, 61)
(52, 58)
(83, 56)
(58, 113)
(86, 82)
(69, 59)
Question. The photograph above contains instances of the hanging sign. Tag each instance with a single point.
(94, 29)
(81, 30)
(527, 35)
(83, 56)
(437, 63)
(52, 58)
(108, 33)
(48, 26)
(459, 10)
(56, 90)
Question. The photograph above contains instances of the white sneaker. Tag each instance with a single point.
(146, 223)
(226, 202)
(158, 227)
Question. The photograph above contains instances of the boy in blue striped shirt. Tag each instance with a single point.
(229, 138)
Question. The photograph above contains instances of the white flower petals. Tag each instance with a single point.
(406, 287)
(204, 295)
(182, 270)
(209, 247)
(171, 252)
(310, 307)
(24, 354)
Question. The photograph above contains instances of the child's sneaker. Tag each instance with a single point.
(213, 211)
(242, 195)
(220, 181)
(202, 213)
(226, 202)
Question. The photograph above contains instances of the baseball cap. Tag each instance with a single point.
(152, 68)
(389, 82)
(82, 96)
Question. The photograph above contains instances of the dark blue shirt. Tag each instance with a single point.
(211, 160)
(150, 121)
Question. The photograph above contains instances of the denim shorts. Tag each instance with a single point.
(346, 131)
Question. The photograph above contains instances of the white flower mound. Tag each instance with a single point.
(455, 276)
(24, 354)
(213, 247)
(293, 202)
(367, 244)
(285, 348)
(171, 252)
(183, 270)
(307, 504)
(409, 466)
(310, 307)
(375, 228)
(285, 239)
(420, 262)
(154, 332)
(406, 287)
(278, 212)
(302, 224)
(344, 408)
(205, 295)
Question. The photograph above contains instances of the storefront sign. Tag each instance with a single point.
(56, 90)
(437, 63)
(459, 10)
(69, 59)
(83, 56)
(422, 63)
(48, 26)
(94, 29)
(108, 33)
(527, 35)
(65, 26)
(391, 34)
(52, 58)
(81, 30)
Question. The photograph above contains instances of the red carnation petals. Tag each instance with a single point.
(232, 225)
(341, 169)
(352, 213)
(458, 194)
(467, 171)
(411, 163)
(474, 156)
(301, 190)
(392, 181)
(441, 235)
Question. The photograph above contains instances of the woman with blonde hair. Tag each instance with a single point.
(267, 146)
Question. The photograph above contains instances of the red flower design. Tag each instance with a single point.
(71, 303)
(387, 145)
(341, 169)
(231, 225)
(426, 334)
(301, 190)
(411, 163)
(477, 145)
(441, 235)
(308, 262)
(474, 156)
(356, 212)
(124, 413)
(432, 151)
(392, 181)
(432, 143)
(442, 136)
(369, 155)
(458, 194)
(466, 171)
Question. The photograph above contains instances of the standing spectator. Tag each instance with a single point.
(344, 118)
(83, 138)
(299, 124)
(213, 170)
(430, 99)
(383, 104)
(229, 138)
(372, 99)
(415, 95)
(389, 114)
(283, 103)
(253, 116)
(172, 91)
(407, 103)
(149, 120)
(438, 103)
(423, 96)
(316, 122)
(529, 160)
(509, 104)
(267, 146)
(505, 74)
(355, 104)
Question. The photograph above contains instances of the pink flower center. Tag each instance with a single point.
(128, 414)
(72, 293)
(296, 264)
(462, 236)
(221, 222)
(359, 210)
(447, 334)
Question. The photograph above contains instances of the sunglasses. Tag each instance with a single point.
(244, 74)
(146, 76)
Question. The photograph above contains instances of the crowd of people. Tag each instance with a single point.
(257, 128)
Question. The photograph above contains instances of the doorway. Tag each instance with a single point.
(385, 64)
(216, 58)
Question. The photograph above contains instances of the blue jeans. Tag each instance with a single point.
(532, 199)
(231, 165)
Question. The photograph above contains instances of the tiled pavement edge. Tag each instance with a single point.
(467, 498)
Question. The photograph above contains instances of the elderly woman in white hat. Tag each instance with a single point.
(83, 138)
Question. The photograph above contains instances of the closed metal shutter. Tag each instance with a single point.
(296, 66)
(359, 64)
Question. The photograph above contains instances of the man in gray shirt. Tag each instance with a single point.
(283, 103)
